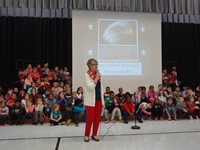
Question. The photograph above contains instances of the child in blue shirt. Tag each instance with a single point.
(56, 117)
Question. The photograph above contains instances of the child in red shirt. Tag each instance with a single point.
(128, 107)
(194, 110)
(11, 102)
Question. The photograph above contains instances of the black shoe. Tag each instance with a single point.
(126, 122)
(42, 123)
(95, 139)
(86, 140)
(140, 121)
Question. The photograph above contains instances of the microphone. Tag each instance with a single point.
(97, 72)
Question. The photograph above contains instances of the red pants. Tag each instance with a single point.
(93, 117)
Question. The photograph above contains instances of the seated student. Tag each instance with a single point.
(151, 94)
(170, 109)
(128, 107)
(29, 111)
(193, 108)
(181, 109)
(116, 109)
(39, 107)
(74, 97)
(11, 102)
(27, 82)
(4, 113)
(80, 93)
(61, 100)
(16, 113)
(33, 95)
(49, 103)
(136, 99)
(144, 108)
(79, 111)
(157, 109)
(21, 94)
(47, 84)
(162, 98)
(46, 94)
(33, 85)
(23, 101)
(143, 95)
(68, 111)
(189, 93)
(34, 74)
(177, 93)
(107, 92)
(56, 117)
(16, 91)
(108, 104)
(68, 92)
(120, 95)
(56, 88)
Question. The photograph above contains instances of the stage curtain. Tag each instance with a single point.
(180, 11)
(180, 44)
(31, 40)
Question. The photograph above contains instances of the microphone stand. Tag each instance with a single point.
(135, 127)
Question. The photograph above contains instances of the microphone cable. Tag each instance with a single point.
(107, 131)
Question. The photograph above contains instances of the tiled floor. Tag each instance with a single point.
(156, 135)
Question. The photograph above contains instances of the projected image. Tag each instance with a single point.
(118, 47)
(117, 32)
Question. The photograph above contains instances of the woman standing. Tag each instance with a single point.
(93, 99)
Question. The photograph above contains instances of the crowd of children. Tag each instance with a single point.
(42, 93)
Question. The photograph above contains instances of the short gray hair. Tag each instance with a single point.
(91, 61)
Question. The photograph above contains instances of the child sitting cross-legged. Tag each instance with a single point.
(79, 111)
(128, 107)
(157, 109)
(116, 109)
(170, 109)
(29, 111)
(68, 111)
(39, 107)
(4, 111)
(194, 110)
(182, 110)
(56, 117)
(50, 101)
(15, 113)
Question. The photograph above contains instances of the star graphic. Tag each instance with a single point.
(90, 27)
(142, 29)
(143, 52)
(90, 52)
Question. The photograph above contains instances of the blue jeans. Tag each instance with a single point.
(40, 114)
(77, 116)
(171, 111)
(126, 114)
(139, 112)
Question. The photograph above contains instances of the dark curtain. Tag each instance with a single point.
(26, 40)
(41, 40)
(181, 45)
